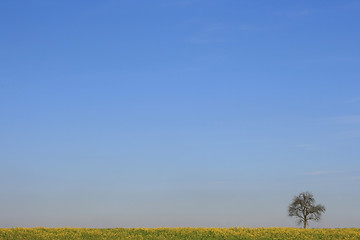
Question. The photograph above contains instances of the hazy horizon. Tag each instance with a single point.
(178, 113)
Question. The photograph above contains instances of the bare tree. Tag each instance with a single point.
(303, 207)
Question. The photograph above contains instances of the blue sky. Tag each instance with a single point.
(178, 112)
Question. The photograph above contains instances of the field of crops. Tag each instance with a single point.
(177, 233)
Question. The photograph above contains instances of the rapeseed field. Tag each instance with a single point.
(176, 233)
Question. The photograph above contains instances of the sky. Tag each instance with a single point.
(173, 113)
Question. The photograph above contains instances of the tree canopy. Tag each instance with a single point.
(303, 207)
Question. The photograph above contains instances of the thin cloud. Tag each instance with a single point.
(353, 100)
(354, 178)
(204, 40)
(101, 8)
(296, 13)
(306, 145)
(321, 172)
(247, 27)
(352, 6)
(177, 3)
(350, 119)
(346, 119)
(301, 13)
(209, 34)
(219, 182)
(220, 33)
(354, 134)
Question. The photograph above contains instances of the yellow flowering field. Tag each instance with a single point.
(176, 233)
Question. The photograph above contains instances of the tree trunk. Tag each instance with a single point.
(305, 223)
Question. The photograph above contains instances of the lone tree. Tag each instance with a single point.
(303, 207)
